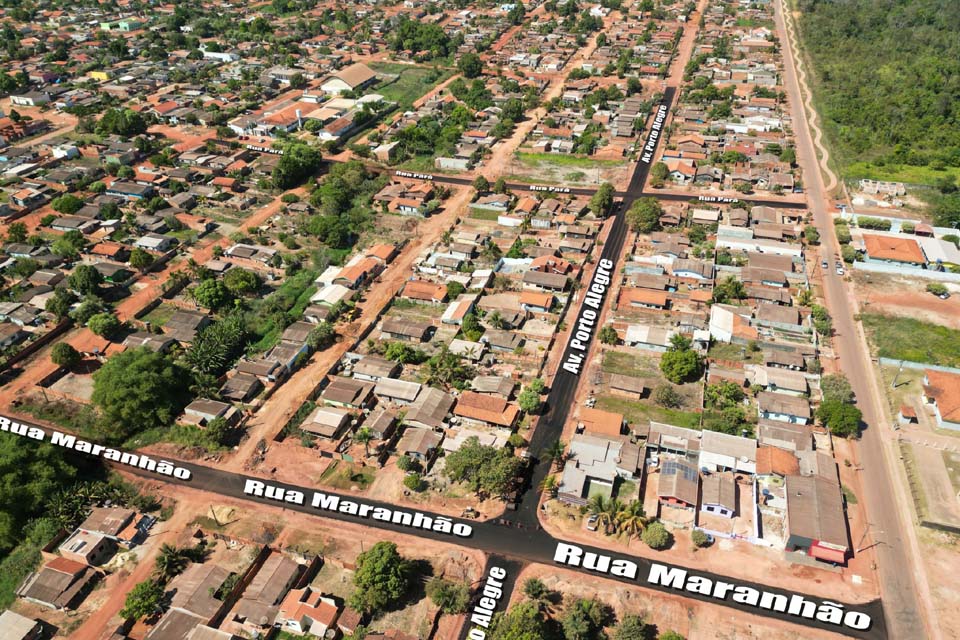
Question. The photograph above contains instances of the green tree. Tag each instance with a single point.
(216, 346)
(632, 627)
(212, 294)
(524, 621)
(500, 186)
(836, 387)
(454, 289)
(602, 200)
(17, 232)
(608, 335)
(298, 162)
(67, 204)
(140, 259)
(666, 396)
(670, 635)
(364, 436)
(137, 390)
(556, 451)
(122, 122)
(85, 279)
(451, 597)
(60, 302)
(644, 215)
(171, 561)
(64, 355)
(104, 324)
(403, 353)
(322, 336)
(241, 282)
(413, 481)
(536, 589)
(529, 401)
(699, 538)
(656, 536)
(585, 620)
(470, 65)
(730, 289)
(486, 469)
(481, 184)
(681, 365)
(143, 600)
(381, 580)
(841, 418)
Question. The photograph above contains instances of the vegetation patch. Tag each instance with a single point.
(912, 340)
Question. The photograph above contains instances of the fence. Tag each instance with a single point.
(892, 362)
(913, 272)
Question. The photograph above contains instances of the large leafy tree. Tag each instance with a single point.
(143, 600)
(216, 346)
(30, 473)
(85, 279)
(602, 200)
(842, 418)
(298, 162)
(585, 620)
(485, 468)
(524, 621)
(681, 363)
(138, 390)
(382, 578)
(644, 215)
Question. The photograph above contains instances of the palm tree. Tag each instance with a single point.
(171, 561)
(556, 451)
(630, 519)
(364, 436)
(605, 509)
(550, 486)
(496, 320)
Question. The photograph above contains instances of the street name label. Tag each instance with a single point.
(587, 319)
(654, 136)
(410, 174)
(327, 502)
(682, 580)
(487, 604)
(69, 441)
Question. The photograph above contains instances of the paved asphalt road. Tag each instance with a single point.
(894, 561)
(518, 543)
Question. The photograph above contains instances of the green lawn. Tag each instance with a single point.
(913, 340)
(629, 364)
(422, 164)
(737, 352)
(564, 160)
(412, 83)
(482, 214)
(159, 316)
(640, 412)
(899, 173)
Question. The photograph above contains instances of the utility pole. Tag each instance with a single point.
(894, 384)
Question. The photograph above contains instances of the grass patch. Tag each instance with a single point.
(848, 495)
(629, 364)
(638, 412)
(535, 160)
(181, 434)
(736, 352)
(913, 340)
(899, 173)
(422, 164)
(412, 82)
(483, 214)
(343, 475)
(14, 568)
(160, 316)
(70, 415)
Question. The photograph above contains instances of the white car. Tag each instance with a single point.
(839, 270)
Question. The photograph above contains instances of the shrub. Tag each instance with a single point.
(656, 536)
(699, 538)
(414, 482)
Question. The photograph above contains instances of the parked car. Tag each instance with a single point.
(839, 269)
(824, 265)
(592, 523)
(944, 296)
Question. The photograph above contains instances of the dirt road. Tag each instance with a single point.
(277, 410)
(902, 576)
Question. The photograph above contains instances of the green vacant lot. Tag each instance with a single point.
(563, 160)
(899, 173)
(913, 340)
(412, 83)
(639, 412)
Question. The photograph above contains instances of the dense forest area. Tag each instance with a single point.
(887, 79)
